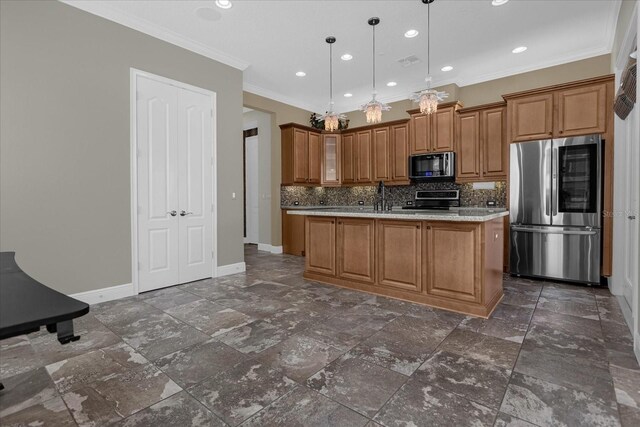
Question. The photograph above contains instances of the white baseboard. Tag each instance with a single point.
(105, 294)
(226, 270)
(269, 248)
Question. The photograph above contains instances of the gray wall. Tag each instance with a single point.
(64, 141)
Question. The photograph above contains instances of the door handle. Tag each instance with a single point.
(184, 213)
(173, 213)
(543, 231)
(631, 217)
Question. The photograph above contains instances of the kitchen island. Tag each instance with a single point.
(445, 259)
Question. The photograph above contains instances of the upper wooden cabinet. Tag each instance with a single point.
(362, 156)
(331, 157)
(434, 132)
(481, 147)
(381, 154)
(400, 153)
(582, 110)
(301, 155)
(348, 166)
(577, 108)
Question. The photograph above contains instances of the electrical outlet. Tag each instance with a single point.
(491, 203)
(360, 202)
(409, 203)
(296, 203)
(322, 202)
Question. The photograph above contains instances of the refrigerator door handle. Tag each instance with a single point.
(554, 183)
(548, 181)
(560, 231)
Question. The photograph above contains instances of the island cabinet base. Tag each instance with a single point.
(451, 265)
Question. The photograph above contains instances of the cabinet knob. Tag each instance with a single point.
(418, 227)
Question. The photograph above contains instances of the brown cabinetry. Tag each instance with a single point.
(433, 132)
(355, 249)
(400, 153)
(531, 117)
(381, 154)
(301, 154)
(399, 258)
(481, 147)
(313, 159)
(348, 166)
(320, 245)
(362, 156)
(331, 158)
(292, 234)
(582, 110)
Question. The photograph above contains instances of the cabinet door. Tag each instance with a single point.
(399, 254)
(453, 260)
(531, 118)
(320, 245)
(468, 146)
(331, 159)
(362, 156)
(292, 234)
(442, 133)
(381, 155)
(315, 154)
(493, 143)
(582, 111)
(400, 152)
(300, 155)
(348, 164)
(420, 130)
(356, 249)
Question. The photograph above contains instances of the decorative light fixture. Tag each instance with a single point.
(428, 99)
(374, 108)
(331, 119)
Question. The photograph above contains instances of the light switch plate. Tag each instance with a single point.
(484, 185)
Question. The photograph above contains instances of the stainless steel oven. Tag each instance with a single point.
(432, 167)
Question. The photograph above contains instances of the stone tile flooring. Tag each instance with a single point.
(267, 347)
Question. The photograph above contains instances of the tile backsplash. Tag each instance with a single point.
(398, 195)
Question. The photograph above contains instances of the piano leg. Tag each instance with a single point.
(64, 330)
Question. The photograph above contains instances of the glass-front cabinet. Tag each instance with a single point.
(331, 159)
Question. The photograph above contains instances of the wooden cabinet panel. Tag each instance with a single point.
(292, 234)
(399, 254)
(531, 117)
(494, 145)
(320, 245)
(362, 155)
(314, 162)
(300, 156)
(454, 252)
(420, 131)
(582, 110)
(442, 134)
(381, 154)
(348, 164)
(468, 146)
(356, 249)
(331, 159)
(400, 153)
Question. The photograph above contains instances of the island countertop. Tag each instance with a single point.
(456, 214)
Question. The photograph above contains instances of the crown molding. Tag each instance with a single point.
(103, 10)
(260, 91)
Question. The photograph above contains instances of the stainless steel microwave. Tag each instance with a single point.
(432, 167)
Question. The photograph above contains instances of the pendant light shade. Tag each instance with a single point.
(374, 108)
(428, 99)
(331, 119)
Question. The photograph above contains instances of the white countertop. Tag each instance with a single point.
(455, 214)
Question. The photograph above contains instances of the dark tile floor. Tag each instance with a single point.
(268, 348)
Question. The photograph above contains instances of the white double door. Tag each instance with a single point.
(174, 129)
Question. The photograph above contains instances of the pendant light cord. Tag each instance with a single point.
(374, 60)
(331, 76)
(429, 40)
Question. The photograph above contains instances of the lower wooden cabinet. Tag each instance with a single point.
(455, 254)
(399, 259)
(320, 245)
(356, 250)
(292, 234)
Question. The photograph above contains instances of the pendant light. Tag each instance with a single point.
(428, 99)
(331, 119)
(374, 108)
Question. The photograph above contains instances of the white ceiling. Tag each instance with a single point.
(271, 40)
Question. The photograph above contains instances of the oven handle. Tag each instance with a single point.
(551, 231)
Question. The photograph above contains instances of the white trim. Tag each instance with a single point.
(133, 89)
(226, 270)
(249, 125)
(104, 10)
(105, 294)
(269, 248)
(627, 42)
(275, 96)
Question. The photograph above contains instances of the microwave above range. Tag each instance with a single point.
(432, 167)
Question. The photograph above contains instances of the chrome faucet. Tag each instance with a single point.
(383, 204)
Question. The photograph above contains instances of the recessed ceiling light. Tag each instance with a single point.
(301, 74)
(411, 34)
(348, 95)
(224, 4)
(392, 84)
(519, 49)
(208, 14)
(499, 2)
(447, 68)
(346, 57)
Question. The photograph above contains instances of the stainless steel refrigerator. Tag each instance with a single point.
(555, 208)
